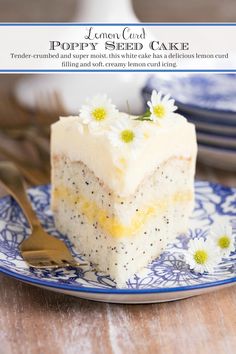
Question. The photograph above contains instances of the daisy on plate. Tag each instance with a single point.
(161, 106)
(202, 256)
(124, 134)
(97, 112)
(221, 234)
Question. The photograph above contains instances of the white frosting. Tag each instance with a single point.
(118, 168)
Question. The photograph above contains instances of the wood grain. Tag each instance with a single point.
(36, 321)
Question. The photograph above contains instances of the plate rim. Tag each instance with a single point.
(211, 146)
(217, 149)
(216, 134)
(117, 291)
(202, 117)
(228, 112)
(113, 290)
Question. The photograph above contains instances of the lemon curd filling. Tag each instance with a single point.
(111, 224)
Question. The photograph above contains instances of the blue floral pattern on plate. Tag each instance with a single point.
(212, 92)
(167, 271)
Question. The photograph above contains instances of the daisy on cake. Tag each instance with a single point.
(122, 185)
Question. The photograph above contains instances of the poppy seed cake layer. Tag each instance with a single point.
(121, 235)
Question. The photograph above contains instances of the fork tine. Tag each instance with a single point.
(40, 249)
(70, 263)
(54, 265)
(41, 265)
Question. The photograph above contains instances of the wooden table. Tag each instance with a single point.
(36, 321)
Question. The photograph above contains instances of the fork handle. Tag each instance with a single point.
(14, 184)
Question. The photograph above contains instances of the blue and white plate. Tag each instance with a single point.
(167, 278)
(210, 94)
(212, 126)
(216, 140)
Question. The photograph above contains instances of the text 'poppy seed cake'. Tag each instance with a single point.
(123, 186)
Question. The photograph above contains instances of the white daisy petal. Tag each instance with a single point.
(222, 236)
(201, 255)
(166, 98)
(171, 102)
(125, 134)
(97, 112)
(159, 96)
(161, 107)
(154, 96)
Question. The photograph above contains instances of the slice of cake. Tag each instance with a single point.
(123, 186)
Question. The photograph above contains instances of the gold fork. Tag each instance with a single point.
(40, 250)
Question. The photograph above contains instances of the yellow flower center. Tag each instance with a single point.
(200, 257)
(127, 136)
(99, 114)
(224, 241)
(159, 111)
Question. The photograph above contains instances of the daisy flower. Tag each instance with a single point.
(222, 236)
(201, 255)
(97, 112)
(124, 134)
(161, 106)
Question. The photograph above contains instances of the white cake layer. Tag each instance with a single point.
(122, 258)
(119, 170)
(91, 214)
(74, 181)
